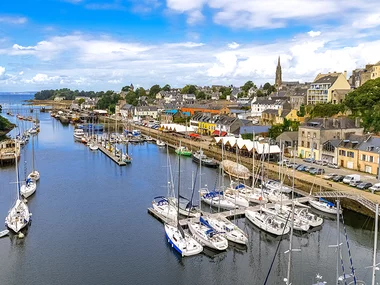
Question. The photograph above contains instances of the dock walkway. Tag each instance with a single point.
(111, 156)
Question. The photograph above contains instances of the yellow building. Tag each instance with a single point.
(321, 89)
(369, 155)
(348, 151)
(206, 128)
(204, 123)
(272, 116)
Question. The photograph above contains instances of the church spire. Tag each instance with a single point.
(278, 80)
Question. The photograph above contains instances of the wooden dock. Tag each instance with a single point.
(112, 156)
(238, 213)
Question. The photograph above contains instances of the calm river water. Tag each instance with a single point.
(91, 226)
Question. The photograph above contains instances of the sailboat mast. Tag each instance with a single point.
(200, 181)
(17, 174)
(179, 183)
(375, 246)
(337, 242)
(33, 152)
(253, 159)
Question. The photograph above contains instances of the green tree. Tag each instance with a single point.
(326, 110)
(189, 89)
(140, 92)
(126, 88)
(267, 86)
(248, 85)
(166, 87)
(201, 95)
(131, 98)
(275, 131)
(154, 90)
(302, 111)
(81, 101)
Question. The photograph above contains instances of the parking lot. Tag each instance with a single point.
(364, 177)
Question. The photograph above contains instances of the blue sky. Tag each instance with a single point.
(101, 45)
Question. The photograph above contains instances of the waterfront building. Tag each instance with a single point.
(259, 105)
(204, 122)
(369, 154)
(226, 125)
(348, 151)
(323, 85)
(171, 115)
(315, 132)
(146, 111)
(126, 111)
(330, 150)
(288, 140)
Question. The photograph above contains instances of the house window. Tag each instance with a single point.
(370, 158)
(342, 152)
(364, 157)
(350, 154)
(314, 135)
(302, 143)
(308, 144)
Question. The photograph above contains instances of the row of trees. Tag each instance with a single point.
(108, 101)
(67, 93)
(278, 129)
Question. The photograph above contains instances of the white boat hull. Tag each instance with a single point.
(168, 211)
(18, 217)
(219, 203)
(217, 241)
(262, 221)
(186, 246)
(28, 190)
(323, 207)
(237, 200)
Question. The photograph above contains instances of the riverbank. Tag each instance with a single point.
(310, 184)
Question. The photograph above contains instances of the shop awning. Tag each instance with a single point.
(216, 133)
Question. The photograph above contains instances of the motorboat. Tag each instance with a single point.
(160, 143)
(93, 146)
(78, 134)
(199, 156)
(227, 228)
(267, 222)
(182, 150)
(207, 236)
(34, 175)
(182, 242)
(216, 199)
(28, 188)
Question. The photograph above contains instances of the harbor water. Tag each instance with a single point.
(90, 223)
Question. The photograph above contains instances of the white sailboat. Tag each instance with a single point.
(182, 242)
(283, 214)
(160, 142)
(18, 216)
(267, 222)
(206, 236)
(34, 175)
(28, 188)
(227, 228)
(324, 206)
(161, 204)
(216, 199)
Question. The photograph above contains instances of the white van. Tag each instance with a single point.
(375, 187)
(350, 178)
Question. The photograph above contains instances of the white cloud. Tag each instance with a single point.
(21, 73)
(13, 20)
(18, 47)
(367, 21)
(233, 45)
(115, 81)
(314, 34)
(2, 71)
(42, 78)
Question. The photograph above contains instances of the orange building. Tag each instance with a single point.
(219, 110)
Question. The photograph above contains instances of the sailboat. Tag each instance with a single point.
(34, 175)
(216, 199)
(161, 204)
(182, 242)
(28, 188)
(183, 150)
(230, 230)
(18, 216)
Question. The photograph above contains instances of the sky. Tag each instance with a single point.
(105, 45)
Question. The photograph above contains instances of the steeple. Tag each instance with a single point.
(278, 81)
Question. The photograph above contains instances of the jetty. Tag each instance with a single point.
(113, 157)
(237, 213)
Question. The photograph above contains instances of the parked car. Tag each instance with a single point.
(355, 183)
(290, 164)
(364, 185)
(338, 178)
(312, 169)
(306, 168)
(333, 165)
(352, 177)
(319, 162)
(309, 160)
(283, 162)
(375, 187)
(330, 176)
(316, 171)
(301, 167)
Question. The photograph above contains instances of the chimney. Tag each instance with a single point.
(279, 112)
(324, 124)
(345, 74)
(357, 122)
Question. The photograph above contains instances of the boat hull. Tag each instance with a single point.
(185, 246)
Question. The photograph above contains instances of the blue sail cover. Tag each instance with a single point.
(327, 202)
(204, 222)
(240, 186)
